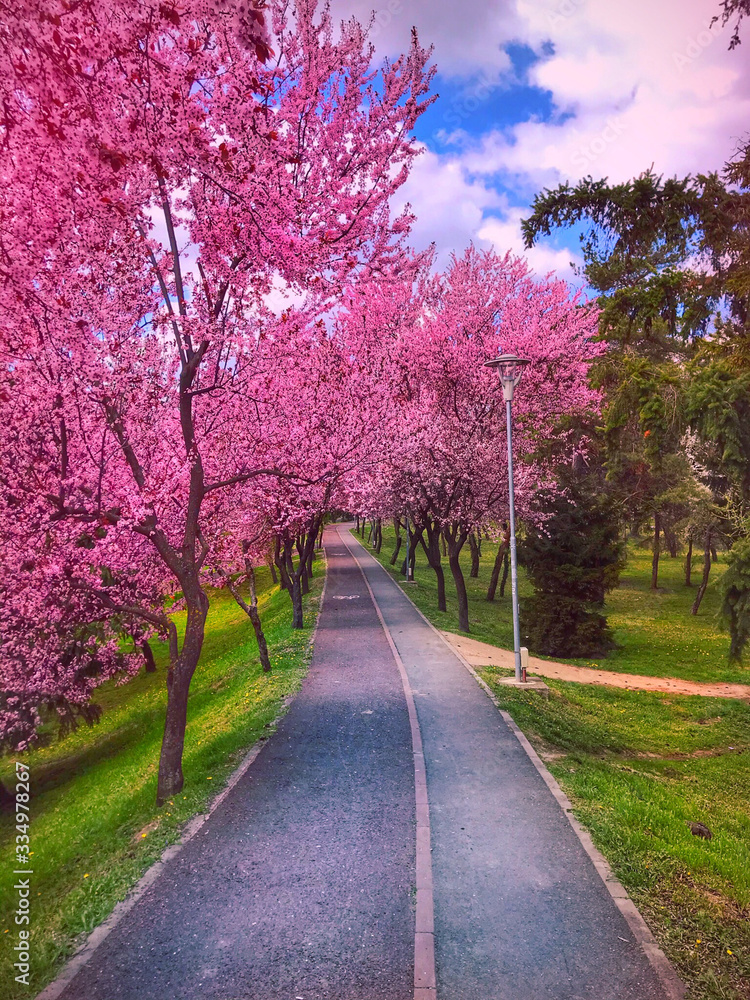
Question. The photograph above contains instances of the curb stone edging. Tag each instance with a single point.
(673, 986)
(425, 983)
(80, 957)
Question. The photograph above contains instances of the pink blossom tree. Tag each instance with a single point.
(162, 169)
(444, 458)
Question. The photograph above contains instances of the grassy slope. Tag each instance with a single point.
(637, 767)
(655, 632)
(95, 827)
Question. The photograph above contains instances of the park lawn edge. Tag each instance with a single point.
(78, 906)
(694, 894)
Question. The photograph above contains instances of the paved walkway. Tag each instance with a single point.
(301, 885)
(482, 654)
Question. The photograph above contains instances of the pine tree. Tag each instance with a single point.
(573, 555)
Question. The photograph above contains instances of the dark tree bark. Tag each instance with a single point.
(714, 553)
(296, 576)
(179, 675)
(706, 572)
(432, 551)
(502, 550)
(295, 584)
(689, 561)
(302, 554)
(506, 570)
(476, 550)
(378, 535)
(456, 538)
(671, 539)
(309, 565)
(356, 526)
(655, 557)
(274, 575)
(148, 656)
(280, 560)
(415, 539)
(251, 610)
(397, 529)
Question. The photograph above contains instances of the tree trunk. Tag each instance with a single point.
(302, 552)
(311, 559)
(251, 610)
(295, 585)
(179, 676)
(655, 557)
(148, 656)
(274, 576)
(397, 529)
(474, 545)
(689, 561)
(356, 526)
(706, 573)
(456, 540)
(378, 536)
(432, 551)
(280, 560)
(506, 570)
(502, 551)
(714, 553)
(671, 539)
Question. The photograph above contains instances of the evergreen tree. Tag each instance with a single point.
(573, 556)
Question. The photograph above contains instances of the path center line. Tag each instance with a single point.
(424, 927)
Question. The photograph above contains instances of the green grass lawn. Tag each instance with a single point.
(637, 767)
(654, 631)
(94, 826)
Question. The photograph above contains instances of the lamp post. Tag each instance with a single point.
(510, 368)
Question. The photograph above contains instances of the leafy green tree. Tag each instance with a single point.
(735, 606)
(573, 556)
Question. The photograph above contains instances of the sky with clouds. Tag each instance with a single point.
(535, 92)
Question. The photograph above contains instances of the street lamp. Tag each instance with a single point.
(510, 368)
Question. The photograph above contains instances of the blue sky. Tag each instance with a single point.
(535, 92)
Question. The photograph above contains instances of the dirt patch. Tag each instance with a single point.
(482, 654)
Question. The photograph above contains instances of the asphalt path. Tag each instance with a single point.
(300, 885)
(520, 911)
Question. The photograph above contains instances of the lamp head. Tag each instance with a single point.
(509, 368)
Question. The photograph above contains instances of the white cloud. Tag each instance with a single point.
(505, 234)
(454, 209)
(468, 38)
(633, 84)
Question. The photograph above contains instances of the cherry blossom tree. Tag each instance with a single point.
(444, 462)
(163, 169)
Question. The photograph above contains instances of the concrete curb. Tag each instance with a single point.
(673, 986)
(425, 984)
(82, 955)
